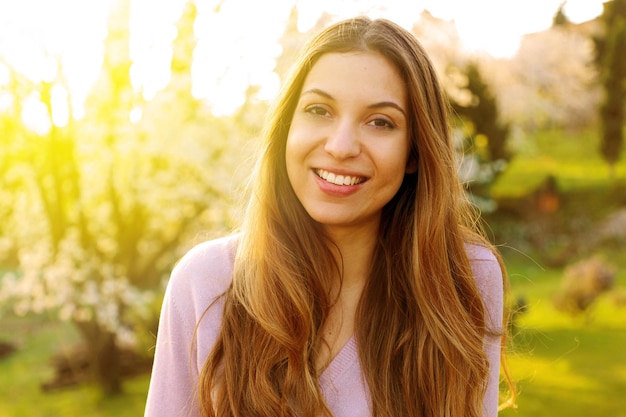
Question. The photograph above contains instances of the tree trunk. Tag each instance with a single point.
(104, 357)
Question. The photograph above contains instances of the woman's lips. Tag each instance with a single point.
(339, 179)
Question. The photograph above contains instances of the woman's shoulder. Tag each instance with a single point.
(489, 278)
(485, 264)
(213, 254)
(204, 272)
(478, 252)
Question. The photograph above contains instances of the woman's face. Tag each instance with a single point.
(348, 147)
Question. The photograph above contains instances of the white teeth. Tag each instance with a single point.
(338, 179)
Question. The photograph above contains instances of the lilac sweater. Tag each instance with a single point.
(205, 272)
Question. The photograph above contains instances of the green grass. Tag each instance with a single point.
(22, 374)
(572, 157)
(563, 365)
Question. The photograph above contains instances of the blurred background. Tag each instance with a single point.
(127, 129)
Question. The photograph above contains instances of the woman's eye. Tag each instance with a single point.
(317, 110)
(382, 123)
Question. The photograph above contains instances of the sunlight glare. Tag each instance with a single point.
(60, 108)
(5, 74)
(6, 102)
(35, 115)
(236, 45)
(237, 49)
(581, 10)
(497, 27)
(135, 115)
(153, 29)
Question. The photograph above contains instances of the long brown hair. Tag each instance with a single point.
(420, 323)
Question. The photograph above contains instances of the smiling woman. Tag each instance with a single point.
(358, 284)
(347, 154)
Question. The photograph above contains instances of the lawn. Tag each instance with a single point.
(23, 373)
(572, 157)
(563, 365)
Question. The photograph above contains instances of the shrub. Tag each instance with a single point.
(582, 283)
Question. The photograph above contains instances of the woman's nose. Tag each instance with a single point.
(343, 141)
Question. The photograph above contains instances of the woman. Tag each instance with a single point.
(358, 286)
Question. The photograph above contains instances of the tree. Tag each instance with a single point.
(441, 41)
(292, 41)
(560, 18)
(106, 204)
(482, 137)
(13, 94)
(611, 62)
(480, 108)
(549, 82)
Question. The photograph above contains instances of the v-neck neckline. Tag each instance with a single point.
(341, 362)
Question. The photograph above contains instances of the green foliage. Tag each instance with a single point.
(611, 62)
(480, 108)
(480, 138)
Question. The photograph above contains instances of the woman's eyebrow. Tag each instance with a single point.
(392, 104)
(378, 105)
(318, 92)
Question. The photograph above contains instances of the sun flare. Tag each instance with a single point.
(63, 39)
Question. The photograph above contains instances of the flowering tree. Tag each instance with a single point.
(102, 207)
(549, 82)
(98, 237)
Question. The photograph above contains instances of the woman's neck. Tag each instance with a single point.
(354, 251)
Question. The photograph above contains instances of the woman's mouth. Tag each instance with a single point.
(339, 179)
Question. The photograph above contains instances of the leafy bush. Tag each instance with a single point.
(582, 283)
